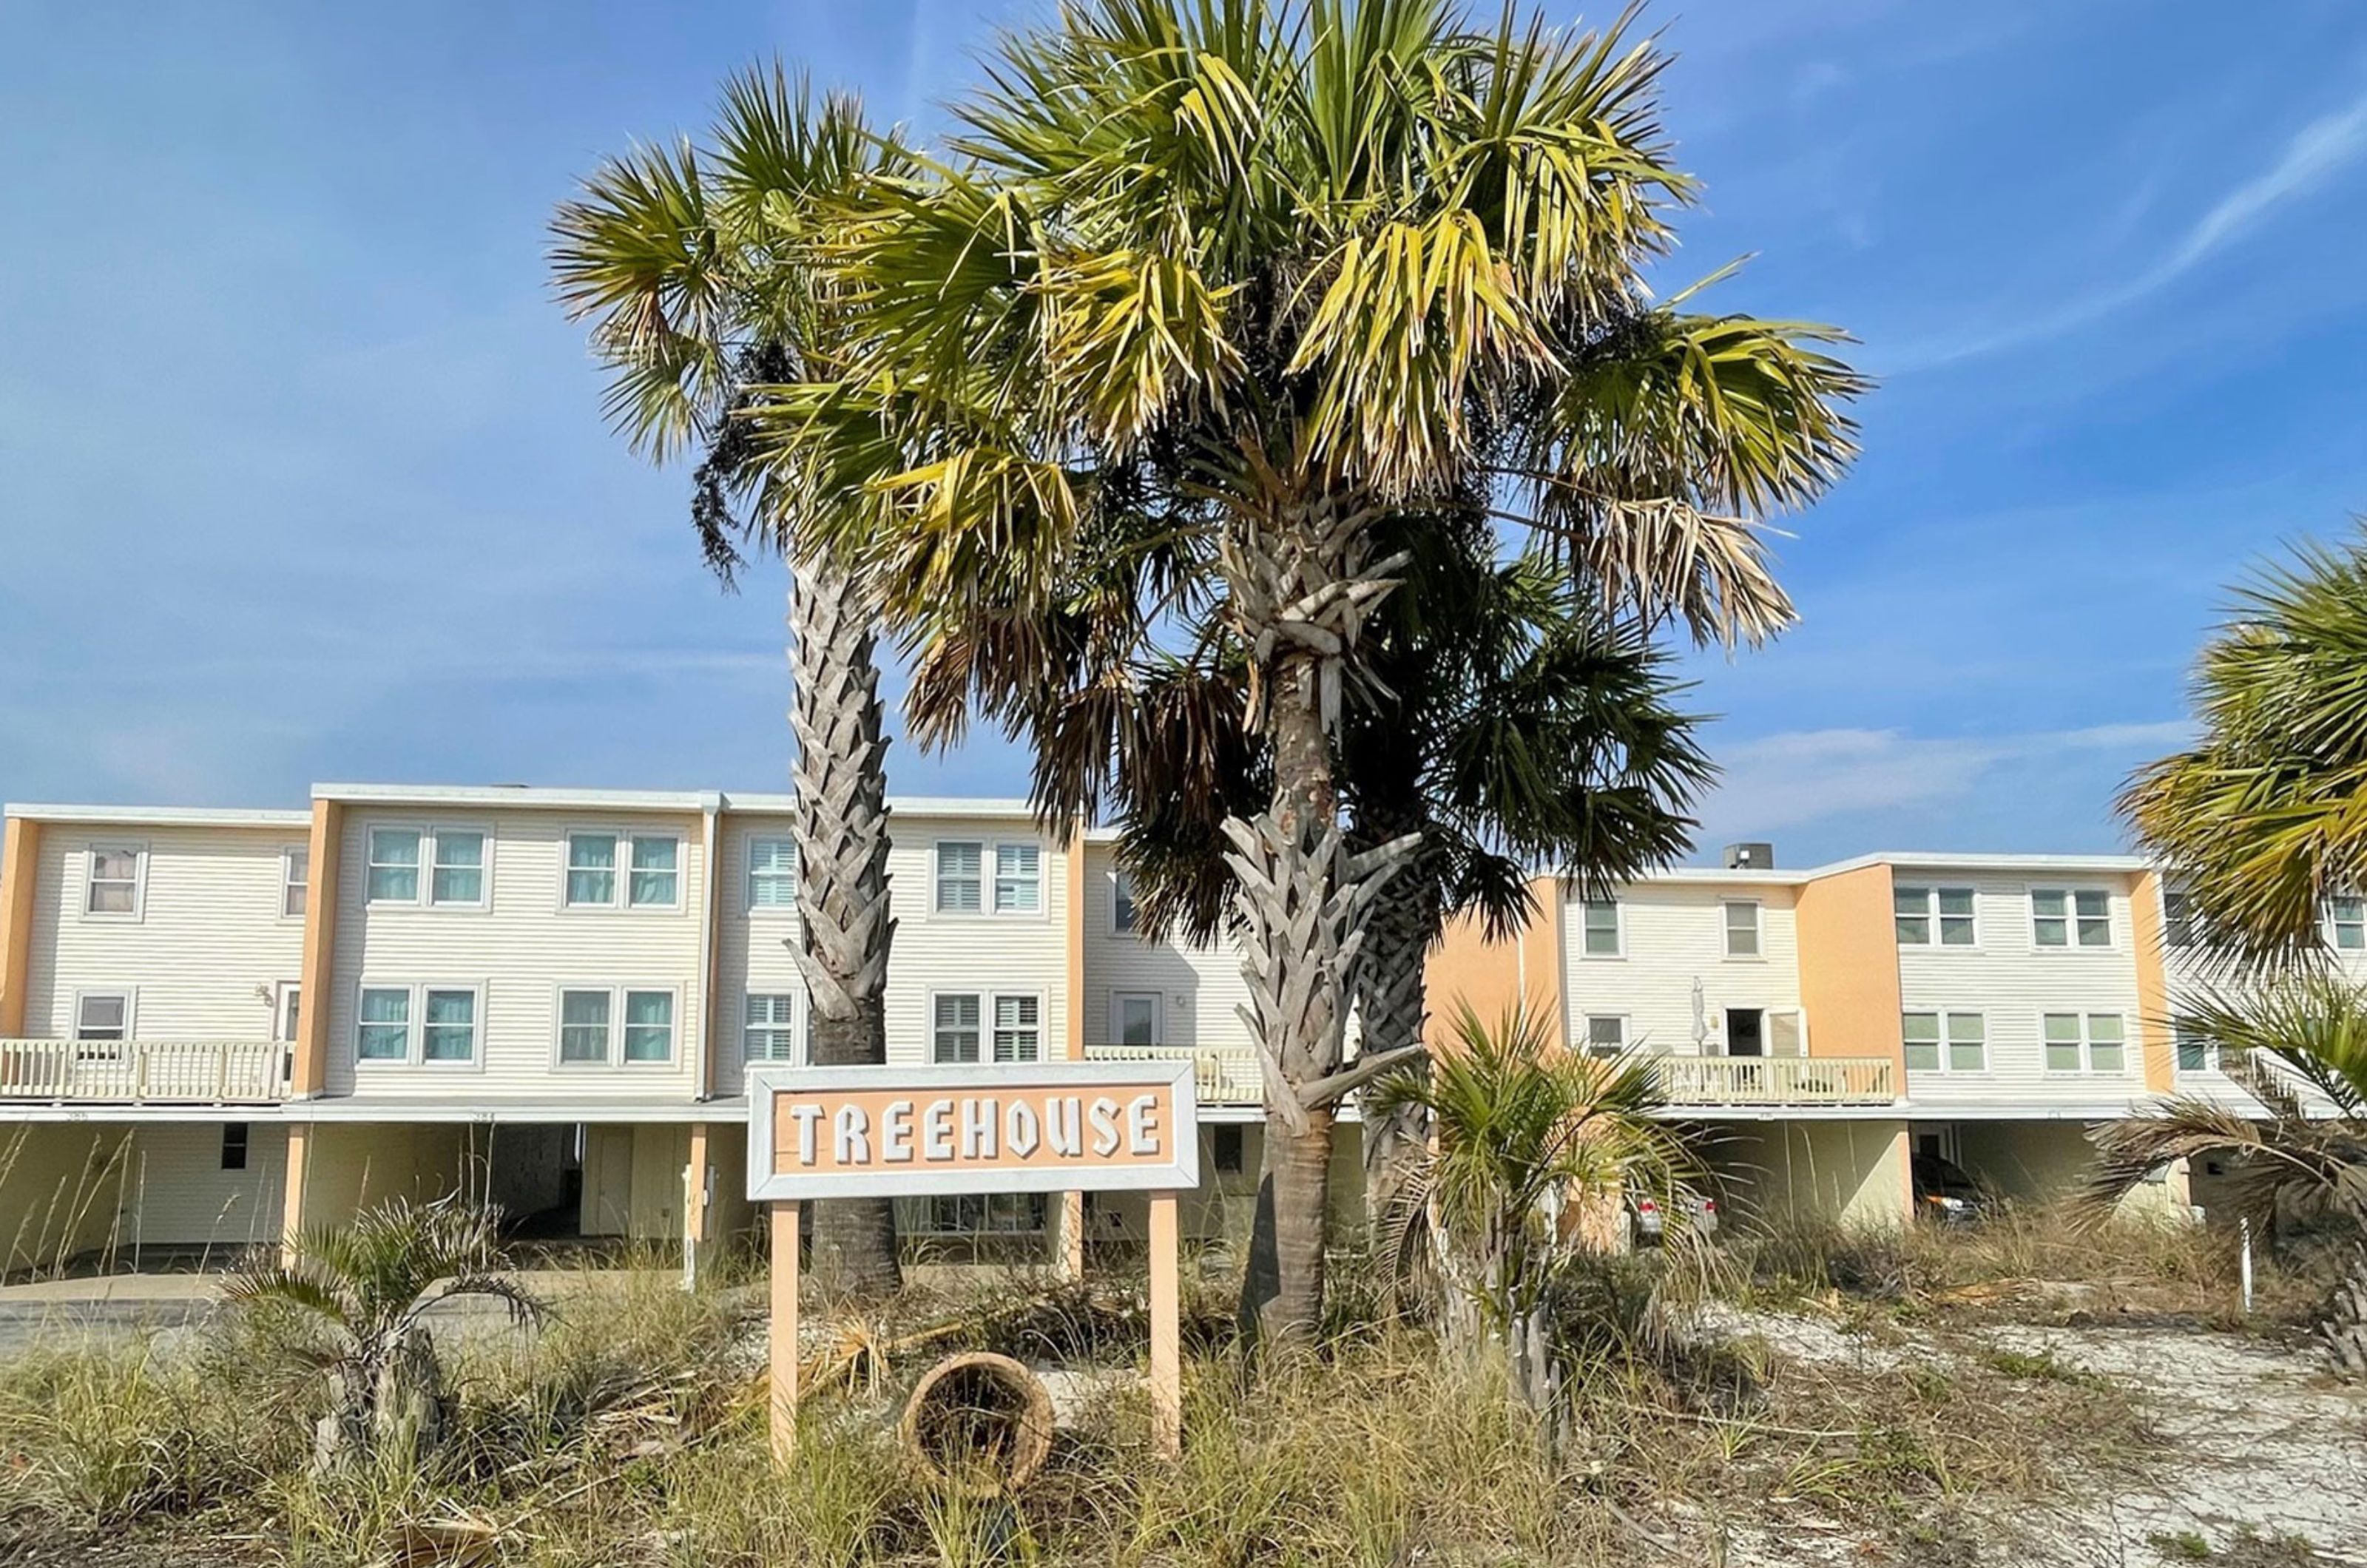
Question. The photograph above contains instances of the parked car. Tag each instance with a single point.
(1649, 1223)
(1946, 1194)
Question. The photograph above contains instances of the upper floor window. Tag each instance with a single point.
(1742, 928)
(415, 1024)
(956, 1037)
(2196, 1053)
(1600, 929)
(2346, 923)
(295, 880)
(588, 1026)
(1606, 1035)
(958, 865)
(770, 1033)
(2177, 918)
(1134, 1018)
(453, 859)
(116, 883)
(1018, 879)
(1944, 1041)
(1927, 916)
(2093, 1043)
(1122, 904)
(637, 871)
(103, 1015)
(772, 874)
(1018, 1028)
(2068, 917)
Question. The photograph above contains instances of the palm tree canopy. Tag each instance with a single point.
(370, 1277)
(2267, 814)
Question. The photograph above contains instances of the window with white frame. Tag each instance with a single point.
(2177, 918)
(103, 1015)
(1742, 928)
(434, 1025)
(1121, 904)
(453, 860)
(1600, 929)
(1018, 879)
(982, 1213)
(1018, 1028)
(115, 881)
(2069, 917)
(629, 871)
(586, 1019)
(772, 874)
(295, 880)
(2085, 1042)
(2196, 1053)
(603, 1027)
(956, 1031)
(959, 868)
(1940, 1042)
(1927, 916)
(382, 1027)
(2346, 923)
(448, 1029)
(770, 1031)
(1134, 1018)
(1606, 1035)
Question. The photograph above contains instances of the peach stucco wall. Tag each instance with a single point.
(2153, 987)
(1466, 969)
(1849, 967)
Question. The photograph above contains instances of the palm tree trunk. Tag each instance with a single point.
(1392, 1004)
(841, 829)
(1300, 590)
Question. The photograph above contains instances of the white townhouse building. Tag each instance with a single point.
(215, 1025)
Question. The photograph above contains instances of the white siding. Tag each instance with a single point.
(2012, 981)
(178, 1193)
(755, 949)
(204, 955)
(1673, 934)
(1199, 987)
(521, 950)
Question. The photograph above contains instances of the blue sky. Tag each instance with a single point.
(302, 474)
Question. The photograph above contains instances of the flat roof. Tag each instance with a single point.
(159, 816)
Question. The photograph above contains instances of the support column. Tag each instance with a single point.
(291, 1200)
(1166, 1328)
(20, 858)
(1069, 1215)
(783, 1341)
(693, 1204)
(310, 1074)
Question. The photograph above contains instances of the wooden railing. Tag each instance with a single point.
(1226, 1075)
(1777, 1080)
(136, 1071)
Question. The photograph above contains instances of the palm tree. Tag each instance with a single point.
(368, 1286)
(1267, 272)
(2267, 813)
(695, 269)
(1530, 1141)
(2300, 1169)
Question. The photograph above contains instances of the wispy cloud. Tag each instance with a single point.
(2316, 153)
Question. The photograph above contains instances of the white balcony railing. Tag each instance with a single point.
(1777, 1080)
(1226, 1075)
(145, 1071)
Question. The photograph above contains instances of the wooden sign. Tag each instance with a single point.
(943, 1131)
(819, 1133)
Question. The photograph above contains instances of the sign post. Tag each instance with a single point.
(1050, 1127)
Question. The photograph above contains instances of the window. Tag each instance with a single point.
(771, 1030)
(1134, 1018)
(295, 879)
(2058, 916)
(987, 1214)
(115, 875)
(583, 1021)
(291, 1009)
(1944, 1041)
(1225, 1148)
(657, 872)
(957, 1029)
(459, 876)
(103, 1015)
(1018, 1028)
(383, 1032)
(1601, 929)
(648, 1026)
(233, 1145)
(449, 1032)
(1922, 914)
(1018, 879)
(958, 877)
(592, 870)
(454, 859)
(2091, 1043)
(393, 877)
(1122, 904)
(772, 874)
(1606, 1035)
(2346, 923)
(2195, 1053)
(2176, 919)
(1742, 928)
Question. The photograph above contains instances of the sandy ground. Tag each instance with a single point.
(2265, 1457)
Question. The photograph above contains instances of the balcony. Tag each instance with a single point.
(144, 1072)
(1226, 1074)
(1778, 1080)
